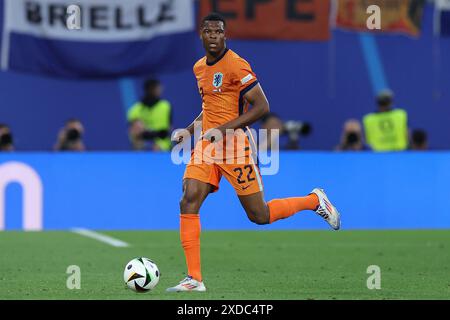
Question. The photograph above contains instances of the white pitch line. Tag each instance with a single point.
(100, 237)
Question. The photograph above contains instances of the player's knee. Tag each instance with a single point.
(259, 218)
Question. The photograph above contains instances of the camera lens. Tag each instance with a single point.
(73, 134)
(6, 139)
(352, 138)
(147, 135)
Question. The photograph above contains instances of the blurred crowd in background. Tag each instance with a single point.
(150, 128)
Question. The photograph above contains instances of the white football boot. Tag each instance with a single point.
(188, 284)
(326, 210)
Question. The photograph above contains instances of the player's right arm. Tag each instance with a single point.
(181, 134)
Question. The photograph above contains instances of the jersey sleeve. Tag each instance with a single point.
(244, 76)
(133, 113)
(196, 67)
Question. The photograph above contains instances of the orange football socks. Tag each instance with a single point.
(190, 240)
(284, 208)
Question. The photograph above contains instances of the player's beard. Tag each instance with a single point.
(217, 53)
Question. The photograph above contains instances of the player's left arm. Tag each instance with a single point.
(260, 107)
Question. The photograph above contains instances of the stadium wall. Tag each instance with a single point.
(142, 191)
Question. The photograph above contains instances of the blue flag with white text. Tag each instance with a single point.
(97, 39)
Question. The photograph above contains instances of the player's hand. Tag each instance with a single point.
(179, 136)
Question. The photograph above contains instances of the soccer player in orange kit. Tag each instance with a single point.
(228, 85)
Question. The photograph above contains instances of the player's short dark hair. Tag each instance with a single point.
(214, 16)
(3, 126)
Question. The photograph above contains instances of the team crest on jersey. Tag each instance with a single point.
(217, 79)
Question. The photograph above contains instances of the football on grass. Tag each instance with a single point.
(141, 274)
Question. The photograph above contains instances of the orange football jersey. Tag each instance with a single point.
(222, 86)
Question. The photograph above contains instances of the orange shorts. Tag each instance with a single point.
(244, 175)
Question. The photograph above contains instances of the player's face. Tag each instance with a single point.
(213, 37)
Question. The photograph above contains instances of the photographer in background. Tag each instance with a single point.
(352, 137)
(294, 129)
(139, 135)
(387, 128)
(6, 138)
(154, 115)
(70, 137)
(290, 131)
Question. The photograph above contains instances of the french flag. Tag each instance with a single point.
(442, 18)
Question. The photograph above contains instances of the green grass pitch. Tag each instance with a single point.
(236, 264)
